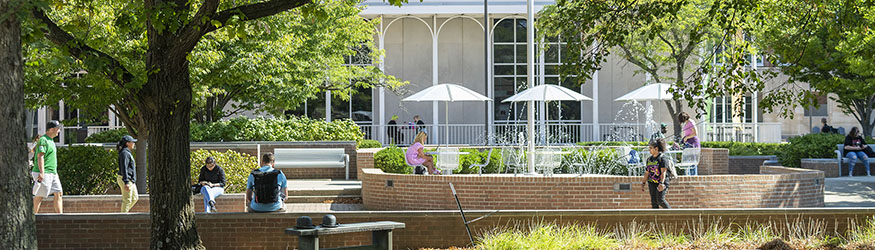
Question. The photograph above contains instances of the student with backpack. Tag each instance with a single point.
(658, 171)
(266, 187)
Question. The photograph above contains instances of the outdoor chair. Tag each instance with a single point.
(512, 159)
(481, 166)
(448, 159)
(689, 159)
(546, 160)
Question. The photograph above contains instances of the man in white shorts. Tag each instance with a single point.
(45, 169)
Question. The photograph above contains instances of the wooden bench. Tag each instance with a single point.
(311, 158)
(381, 234)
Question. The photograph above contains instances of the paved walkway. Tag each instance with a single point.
(850, 192)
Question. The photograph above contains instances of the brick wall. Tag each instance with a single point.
(440, 229)
(381, 191)
(714, 161)
(830, 167)
(365, 159)
(747, 164)
(112, 204)
(293, 173)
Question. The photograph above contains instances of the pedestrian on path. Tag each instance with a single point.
(656, 174)
(127, 173)
(45, 169)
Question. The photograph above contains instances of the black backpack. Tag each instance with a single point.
(266, 188)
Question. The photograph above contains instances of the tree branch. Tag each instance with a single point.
(197, 28)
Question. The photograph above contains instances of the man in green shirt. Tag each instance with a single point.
(45, 169)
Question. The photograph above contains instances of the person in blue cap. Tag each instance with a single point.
(127, 173)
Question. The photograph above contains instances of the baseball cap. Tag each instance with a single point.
(53, 124)
(128, 138)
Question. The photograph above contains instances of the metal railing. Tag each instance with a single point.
(558, 133)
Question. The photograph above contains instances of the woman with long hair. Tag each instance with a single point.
(656, 175)
(416, 153)
(855, 146)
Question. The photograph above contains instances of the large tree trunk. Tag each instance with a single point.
(17, 229)
(142, 164)
(167, 97)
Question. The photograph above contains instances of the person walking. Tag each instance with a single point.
(212, 182)
(690, 139)
(656, 176)
(45, 169)
(127, 173)
(855, 146)
(419, 125)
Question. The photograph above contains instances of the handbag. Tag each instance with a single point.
(196, 189)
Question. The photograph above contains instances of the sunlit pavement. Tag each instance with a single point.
(850, 191)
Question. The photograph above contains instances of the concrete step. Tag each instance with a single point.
(353, 199)
(325, 191)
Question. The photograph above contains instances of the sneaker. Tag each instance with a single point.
(213, 208)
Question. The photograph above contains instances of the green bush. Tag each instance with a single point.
(601, 161)
(237, 167)
(475, 156)
(821, 145)
(747, 148)
(616, 143)
(87, 170)
(392, 160)
(370, 144)
(112, 135)
(292, 129)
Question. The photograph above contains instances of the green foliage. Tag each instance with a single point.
(291, 129)
(237, 167)
(547, 236)
(821, 145)
(747, 148)
(87, 170)
(370, 144)
(595, 161)
(392, 160)
(476, 156)
(614, 143)
(113, 135)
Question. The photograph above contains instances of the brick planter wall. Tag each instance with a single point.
(112, 204)
(381, 191)
(714, 161)
(440, 229)
(292, 173)
(831, 168)
(747, 164)
(365, 159)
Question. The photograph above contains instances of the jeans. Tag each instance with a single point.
(657, 198)
(210, 194)
(853, 160)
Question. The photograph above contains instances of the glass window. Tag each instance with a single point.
(820, 110)
(504, 53)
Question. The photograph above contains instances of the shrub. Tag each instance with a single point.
(237, 167)
(475, 156)
(87, 170)
(391, 160)
(292, 129)
(112, 135)
(746, 148)
(370, 144)
(600, 161)
(820, 145)
(616, 143)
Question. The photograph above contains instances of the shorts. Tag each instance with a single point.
(51, 184)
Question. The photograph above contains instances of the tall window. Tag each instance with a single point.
(509, 46)
(723, 110)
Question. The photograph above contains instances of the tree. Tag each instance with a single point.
(288, 52)
(17, 229)
(660, 37)
(161, 97)
(830, 46)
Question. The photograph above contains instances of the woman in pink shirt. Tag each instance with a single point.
(691, 137)
(416, 153)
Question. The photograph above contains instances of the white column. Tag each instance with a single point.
(112, 117)
(530, 79)
(41, 120)
(381, 121)
(61, 118)
(595, 106)
(490, 86)
(328, 105)
(434, 78)
(755, 99)
(542, 108)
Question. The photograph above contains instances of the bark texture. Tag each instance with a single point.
(17, 229)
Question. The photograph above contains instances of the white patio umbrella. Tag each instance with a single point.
(650, 92)
(446, 93)
(544, 92)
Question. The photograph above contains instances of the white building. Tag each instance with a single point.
(442, 41)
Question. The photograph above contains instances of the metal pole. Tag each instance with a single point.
(489, 108)
(328, 106)
(530, 79)
(464, 220)
(434, 75)
(381, 125)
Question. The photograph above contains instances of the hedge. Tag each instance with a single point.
(821, 145)
(370, 144)
(747, 148)
(391, 160)
(601, 161)
(237, 167)
(87, 170)
(261, 129)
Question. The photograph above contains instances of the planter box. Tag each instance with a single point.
(748, 164)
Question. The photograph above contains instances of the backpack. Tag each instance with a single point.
(672, 173)
(266, 188)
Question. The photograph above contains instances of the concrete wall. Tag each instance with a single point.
(424, 229)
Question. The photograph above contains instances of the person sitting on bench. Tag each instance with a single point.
(266, 187)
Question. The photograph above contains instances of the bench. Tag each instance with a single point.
(841, 159)
(311, 158)
(381, 234)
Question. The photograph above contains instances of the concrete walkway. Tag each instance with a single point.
(849, 192)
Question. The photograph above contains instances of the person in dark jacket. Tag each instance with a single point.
(827, 128)
(127, 173)
(212, 183)
(855, 147)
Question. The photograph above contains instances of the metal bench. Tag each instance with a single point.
(311, 158)
(381, 234)
(841, 159)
